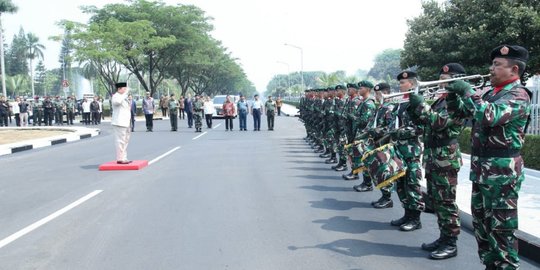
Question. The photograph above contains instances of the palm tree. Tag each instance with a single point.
(35, 50)
(6, 6)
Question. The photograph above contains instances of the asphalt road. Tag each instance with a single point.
(226, 200)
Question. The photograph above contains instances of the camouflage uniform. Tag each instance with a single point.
(379, 125)
(442, 161)
(198, 114)
(408, 142)
(498, 133)
(336, 126)
(70, 111)
(346, 124)
(59, 107)
(172, 105)
(37, 112)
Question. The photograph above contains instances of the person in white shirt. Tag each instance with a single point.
(208, 111)
(86, 111)
(256, 109)
(121, 122)
(15, 110)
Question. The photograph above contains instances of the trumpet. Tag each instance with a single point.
(431, 88)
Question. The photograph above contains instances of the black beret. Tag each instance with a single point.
(452, 68)
(352, 85)
(510, 51)
(365, 83)
(340, 87)
(381, 86)
(120, 84)
(406, 75)
(330, 89)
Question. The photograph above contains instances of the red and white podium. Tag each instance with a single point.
(113, 166)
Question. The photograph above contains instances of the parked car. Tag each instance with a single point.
(218, 105)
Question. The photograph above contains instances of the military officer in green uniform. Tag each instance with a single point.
(270, 110)
(347, 119)
(408, 141)
(70, 110)
(379, 126)
(173, 112)
(59, 109)
(198, 105)
(37, 111)
(442, 161)
(500, 117)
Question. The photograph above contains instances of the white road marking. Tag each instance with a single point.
(164, 155)
(199, 135)
(44, 220)
(217, 126)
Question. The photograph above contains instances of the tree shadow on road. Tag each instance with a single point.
(347, 225)
(311, 168)
(317, 177)
(360, 248)
(326, 188)
(333, 204)
(304, 161)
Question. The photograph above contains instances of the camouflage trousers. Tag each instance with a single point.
(408, 187)
(495, 219)
(441, 188)
(197, 117)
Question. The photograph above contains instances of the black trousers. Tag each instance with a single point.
(229, 122)
(270, 120)
(208, 118)
(149, 121)
(256, 119)
(279, 111)
(48, 117)
(189, 118)
(174, 121)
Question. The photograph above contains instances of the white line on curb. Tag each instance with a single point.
(199, 135)
(44, 220)
(164, 155)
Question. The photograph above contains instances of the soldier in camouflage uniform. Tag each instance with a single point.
(59, 108)
(172, 104)
(327, 123)
(346, 119)
(408, 142)
(500, 118)
(198, 105)
(378, 126)
(70, 110)
(318, 120)
(335, 123)
(37, 111)
(442, 161)
(48, 111)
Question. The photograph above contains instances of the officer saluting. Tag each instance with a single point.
(121, 118)
(500, 118)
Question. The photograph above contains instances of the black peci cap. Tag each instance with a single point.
(120, 84)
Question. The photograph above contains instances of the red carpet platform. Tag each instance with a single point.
(113, 166)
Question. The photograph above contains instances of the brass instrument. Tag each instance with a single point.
(431, 88)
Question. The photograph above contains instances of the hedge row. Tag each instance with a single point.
(529, 152)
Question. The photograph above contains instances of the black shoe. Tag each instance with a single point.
(363, 187)
(123, 162)
(320, 150)
(341, 168)
(331, 160)
(431, 246)
(413, 223)
(447, 249)
(402, 220)
(337, 165)
(350, 176)
(325, 155)
(384, 203)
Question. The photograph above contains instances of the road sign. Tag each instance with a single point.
(65, 83)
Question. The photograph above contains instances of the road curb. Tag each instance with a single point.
(76, 133)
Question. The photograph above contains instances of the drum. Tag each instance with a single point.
(357, 151)
(384, 165)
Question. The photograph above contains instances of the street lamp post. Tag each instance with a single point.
(288, 76)
(301, 62)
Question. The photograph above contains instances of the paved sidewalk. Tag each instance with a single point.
(73, 133)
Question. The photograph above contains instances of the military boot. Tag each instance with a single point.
(383, 202)
(331, 160)
(320, 149)
(447, 249)
(340, 163)
(413, 223)
(342, 167)
(364, 187)
(433, 245)
(350, 176)
(402, 220)
(326, 154)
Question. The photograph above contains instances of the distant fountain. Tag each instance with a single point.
(84, 86)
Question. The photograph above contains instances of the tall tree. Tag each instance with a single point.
(17, 61)
(6, 6)
(34, 50)
(465, 31)
(41, 73)
(386, 64)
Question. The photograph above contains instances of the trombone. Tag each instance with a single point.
(431, 88)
